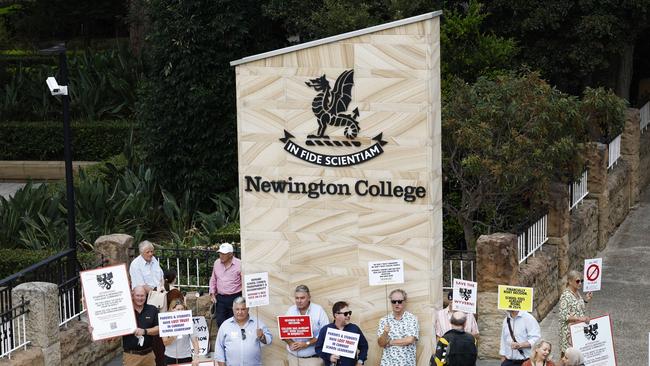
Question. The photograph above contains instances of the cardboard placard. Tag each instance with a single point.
(108, 300)
(256, 289)
(294, 326)
(175, 323)
(593, 273)
(515, 298)
(465, 296)
(341, 343)
(594, 341)
(202, 332)
(388, 272)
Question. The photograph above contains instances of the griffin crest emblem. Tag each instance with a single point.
(105, 280)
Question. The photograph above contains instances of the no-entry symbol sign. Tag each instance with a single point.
(592, 274)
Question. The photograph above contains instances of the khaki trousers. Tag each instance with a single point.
(312, 361)
(129, 359)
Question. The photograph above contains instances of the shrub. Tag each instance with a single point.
(14, 260)
(44, 140)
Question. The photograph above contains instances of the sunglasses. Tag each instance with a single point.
(578, 281)
(243, 334)
(396, 301)
(345, 313)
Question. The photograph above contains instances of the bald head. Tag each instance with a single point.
(458, 319)
(139, 295)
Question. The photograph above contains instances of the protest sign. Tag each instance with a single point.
(515, 298)
(175, 323)
(388, 272)
(256, 289)
(201, 363)
(464, 296)
(594, 341)
(108, 301)
(593, 273)
(294, 326)
(202, 334)
(341, 343)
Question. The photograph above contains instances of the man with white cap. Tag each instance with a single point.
(225, 282)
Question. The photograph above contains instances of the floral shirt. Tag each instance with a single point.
(406, 327)
(570, 305)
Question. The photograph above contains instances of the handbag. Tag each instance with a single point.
(158, 298)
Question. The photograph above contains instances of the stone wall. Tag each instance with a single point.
(619, 189)
(583, 235)
(77, 347)
(644, 158)
(541, 273)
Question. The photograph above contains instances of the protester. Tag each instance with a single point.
(225, 282)
(572, 357)
(178, 349)
(145, 269)
(398, 333)
(443, 325)
(138, 346)
(302, 351)
(572, 308)
(540, 356)
(519, 332)
(456, 347)
(173, 293)
(240, 338)
(342, 315)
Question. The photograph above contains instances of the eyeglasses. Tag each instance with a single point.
(243, 334)
(345, 313)
(578, 281)
(396, 301)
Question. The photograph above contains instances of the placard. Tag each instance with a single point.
(175, 323)
(341, 343)
(515, 298)
(201, 363)
(594, 341)
(256, 289)
(388, 272)
(464, 296)
(108, 299)
(294, 326)
(202, 332)
(593, 273)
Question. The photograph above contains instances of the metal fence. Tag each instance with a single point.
(460, 264)
(578, 190)
(645, 117)
(532, 239)
(13, 333)
(614, 151)
(193, 266)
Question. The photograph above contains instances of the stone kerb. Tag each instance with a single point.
(114, 248)
(42, 320)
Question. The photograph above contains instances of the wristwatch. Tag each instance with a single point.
(145, 331)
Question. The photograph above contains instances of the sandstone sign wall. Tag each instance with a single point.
(315, 210)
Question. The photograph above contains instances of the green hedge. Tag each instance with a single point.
(91, 141)
(15, 260)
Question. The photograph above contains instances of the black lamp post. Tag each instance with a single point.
(62, 90)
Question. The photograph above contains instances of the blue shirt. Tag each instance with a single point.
(362, 346)
(231, 347)
(145, 273)
(318, 319)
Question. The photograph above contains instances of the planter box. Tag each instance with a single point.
(36, 170)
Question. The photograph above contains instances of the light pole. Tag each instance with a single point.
(62, 90)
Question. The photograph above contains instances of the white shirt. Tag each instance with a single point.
(525, 329)
(318, 319)
(181, 347)
(145, 273)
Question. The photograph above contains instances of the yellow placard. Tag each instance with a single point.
(515, 298)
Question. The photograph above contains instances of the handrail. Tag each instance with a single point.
(34, 267)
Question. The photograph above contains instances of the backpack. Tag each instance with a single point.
(462, 349)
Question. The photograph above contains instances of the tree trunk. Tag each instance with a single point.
(137, 25)
(468, 231)
(625, 69)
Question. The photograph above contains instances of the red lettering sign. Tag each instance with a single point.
(294, 326)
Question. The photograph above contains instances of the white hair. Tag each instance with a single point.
(144, 245)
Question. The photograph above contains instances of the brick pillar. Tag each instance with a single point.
(596, 156)
(559, 226)
(630, 151)
(42, 320)
(115, 248)
(496, 264)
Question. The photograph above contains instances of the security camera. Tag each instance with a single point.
(55, 88)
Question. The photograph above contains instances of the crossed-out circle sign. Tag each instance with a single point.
(593, 271)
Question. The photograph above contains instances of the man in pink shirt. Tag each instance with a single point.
(443, 323)
(225, 282)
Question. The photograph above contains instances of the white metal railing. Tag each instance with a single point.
(578, 190)
(458, 264)
(645, 116)
(68, 308)
(13, 330)
(532, 239)
(614, 151)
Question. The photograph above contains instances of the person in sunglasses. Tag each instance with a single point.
(240, 338)
(398, 333)
(572, 308)
(342, 314)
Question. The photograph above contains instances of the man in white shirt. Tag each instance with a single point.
(519, 333)
(302, 350)
(145, 270)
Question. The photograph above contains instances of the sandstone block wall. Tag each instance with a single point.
(541, 273)
(644, 158)
(77, 347)
(583, 234)
(620, 198)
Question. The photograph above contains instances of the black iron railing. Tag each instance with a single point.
(13, 332)
(460, 264)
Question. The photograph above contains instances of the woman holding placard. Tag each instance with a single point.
(572, 308)
(540, 355)
(177, 349)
